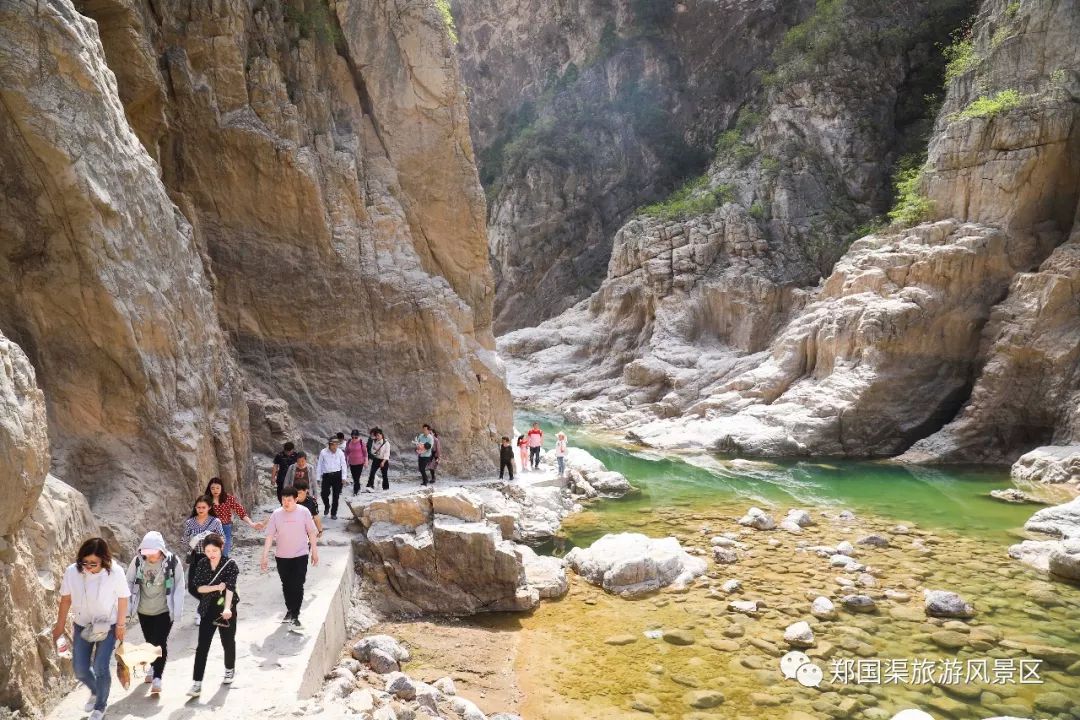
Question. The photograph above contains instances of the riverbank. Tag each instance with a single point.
(943, 532)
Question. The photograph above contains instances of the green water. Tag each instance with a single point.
(951, 497)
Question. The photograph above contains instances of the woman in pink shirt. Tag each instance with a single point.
(356, 456)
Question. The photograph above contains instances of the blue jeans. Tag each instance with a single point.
(227, 527)
(91, 662)
(562, 464)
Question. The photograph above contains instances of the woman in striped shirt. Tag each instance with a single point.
(199, 526)
(224, 505)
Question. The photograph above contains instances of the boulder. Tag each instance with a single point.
(457, 503)
(544, 573)
(725, 555)
(381, 662)
(757, 519)
(609, 483)
(401, 686)
(799, 635)
(799, 517)
(448, 565)
(823, 608)
(731, 586)
(446, 686)
(1062, 521)
(946, 604)
(631, 564)
(879, 541)
(1064, 560)
(859, 603)
(362, 649)
(1050, 464)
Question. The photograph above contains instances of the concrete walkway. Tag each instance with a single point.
(274, 667)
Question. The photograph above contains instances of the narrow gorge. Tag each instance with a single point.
(799, 279)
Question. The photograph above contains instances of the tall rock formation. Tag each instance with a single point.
(273, 202)
(705, 334)
(42, 524)
(104, 285)
(584, 112)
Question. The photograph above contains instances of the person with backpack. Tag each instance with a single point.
(199, 526)
(330, 470)
(155, 578)
(282, 461)
(223, 508)
(301, 471)
(536, 443)
(506, 458)
(213, 583)
(96, 594)
(423, 443)
(379, 460)
(357, 455)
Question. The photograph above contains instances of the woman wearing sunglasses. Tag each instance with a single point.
(96, 594)
(213, 582)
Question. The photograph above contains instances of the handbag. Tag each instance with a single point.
(96, 631)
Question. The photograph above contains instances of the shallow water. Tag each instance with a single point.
(958, 541)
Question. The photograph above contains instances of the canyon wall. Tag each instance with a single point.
(584, 112)
(957, 336)
(224, 225)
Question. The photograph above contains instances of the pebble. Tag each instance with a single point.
(645, 703)
(823, 608)
(678, 637)
(799, 635)
(703, 699)
(731, 586)
(620, 640)
(859, 603)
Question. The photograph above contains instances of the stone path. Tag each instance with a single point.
(274, 667)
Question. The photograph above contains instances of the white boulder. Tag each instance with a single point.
(632, 564)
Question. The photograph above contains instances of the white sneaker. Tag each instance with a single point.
(97, 715)
(89, 706)
(196, 690)
(155, 689)
(229, 675)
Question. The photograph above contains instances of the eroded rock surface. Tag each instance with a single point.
(41, 527)
(440, 552)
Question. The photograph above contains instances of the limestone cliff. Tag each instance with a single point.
(706, 334)
(584, 112)
(268, 208)
(41, 526)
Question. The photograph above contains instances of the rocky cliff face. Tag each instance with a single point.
(41, 526)
(275, 203)
(585, 112)
(223, 216)
(707, 336)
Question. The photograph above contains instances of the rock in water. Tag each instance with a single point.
(1064, 560)
(631, 564)
(1050, 464)
(757, 519)
(799, 635)
(946, 604)
(859, 603)
(823, 608)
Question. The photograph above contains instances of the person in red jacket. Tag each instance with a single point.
(536, 442)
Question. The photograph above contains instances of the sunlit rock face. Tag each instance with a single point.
(954, 339)
(249, 217)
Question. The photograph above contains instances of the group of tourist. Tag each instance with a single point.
(341, 458)
(100, 599)
(529, 446)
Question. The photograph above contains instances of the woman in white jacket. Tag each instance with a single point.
(156, 580)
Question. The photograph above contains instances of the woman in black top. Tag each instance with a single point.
(213, 582)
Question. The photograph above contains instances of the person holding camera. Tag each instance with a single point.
(424, 442)
(213, 583)
(96, 595)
